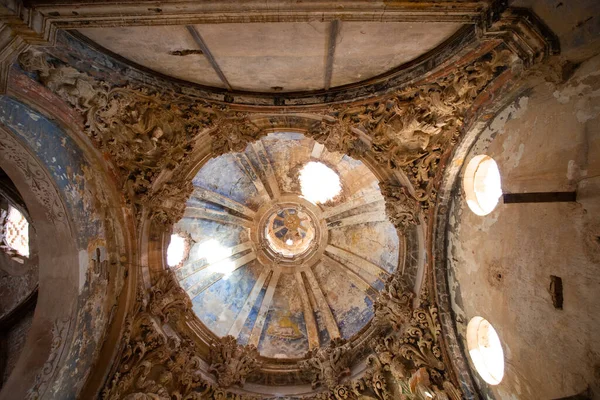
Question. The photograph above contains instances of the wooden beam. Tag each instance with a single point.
(539, 197)
(211, 59)
(334, 29)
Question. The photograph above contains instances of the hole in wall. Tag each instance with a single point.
(485, 350)
(556, 291)
(176, 250)
(482, 184)
(319, 183)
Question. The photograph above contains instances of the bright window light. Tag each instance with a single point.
(16, 231)
(176, 250)
(217, 256)
(482, 184)
(485, 350)
(319, 183)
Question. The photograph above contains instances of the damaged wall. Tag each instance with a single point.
(547, 139)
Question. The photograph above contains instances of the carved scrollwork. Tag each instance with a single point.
(328, 365)
(394, 303)
(146, 133)
(415, 127)
(231, 362)
(233, 134)
(400, 206)
(168, 300)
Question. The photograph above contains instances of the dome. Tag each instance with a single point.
(274, 269)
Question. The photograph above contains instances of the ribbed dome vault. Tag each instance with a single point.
(272, 269)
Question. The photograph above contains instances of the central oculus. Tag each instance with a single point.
(290, 231)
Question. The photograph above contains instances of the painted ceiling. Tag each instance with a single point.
(238, 283)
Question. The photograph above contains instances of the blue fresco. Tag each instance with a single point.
(219, 305)
(244, 335)
(222, 175)
(62, 157)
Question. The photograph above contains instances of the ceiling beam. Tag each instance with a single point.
(323, 306)
(362, 218)
(49, 15)
(247, 167)
(211, 59)
(242, 316)
(358, 281)
(267, 169)
(367, 266)
(190, 267)
(212, 197)
(309, 316)
(368, 198)
(215, 215)
(259, 324)
(217, 276)
(334, 29)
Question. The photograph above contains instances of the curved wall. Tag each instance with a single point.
(500, 265)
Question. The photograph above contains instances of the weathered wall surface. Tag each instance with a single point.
(500, 264)
(79, 291)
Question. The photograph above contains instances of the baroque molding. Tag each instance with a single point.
(35, 176)
(157, 363)
(328, 365)
(231, 363)
(146, 133)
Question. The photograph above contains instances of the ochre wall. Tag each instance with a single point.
(547, 139)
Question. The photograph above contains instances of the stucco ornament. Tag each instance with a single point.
(394, 303)
(146, 132)
(231, 363)
(335, 132)
(155, 362)
(233, 133)
(412, 129)
(328, 365)
(167, 299)
(400, 206)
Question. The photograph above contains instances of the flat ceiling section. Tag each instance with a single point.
(274, 57)
(152, 47)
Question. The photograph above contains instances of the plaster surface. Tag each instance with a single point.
(500, 264)
(273, 57)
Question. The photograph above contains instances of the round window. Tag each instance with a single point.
(482, 184)
(485, 350)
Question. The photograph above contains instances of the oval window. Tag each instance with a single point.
(485, 350)
(482, 184)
